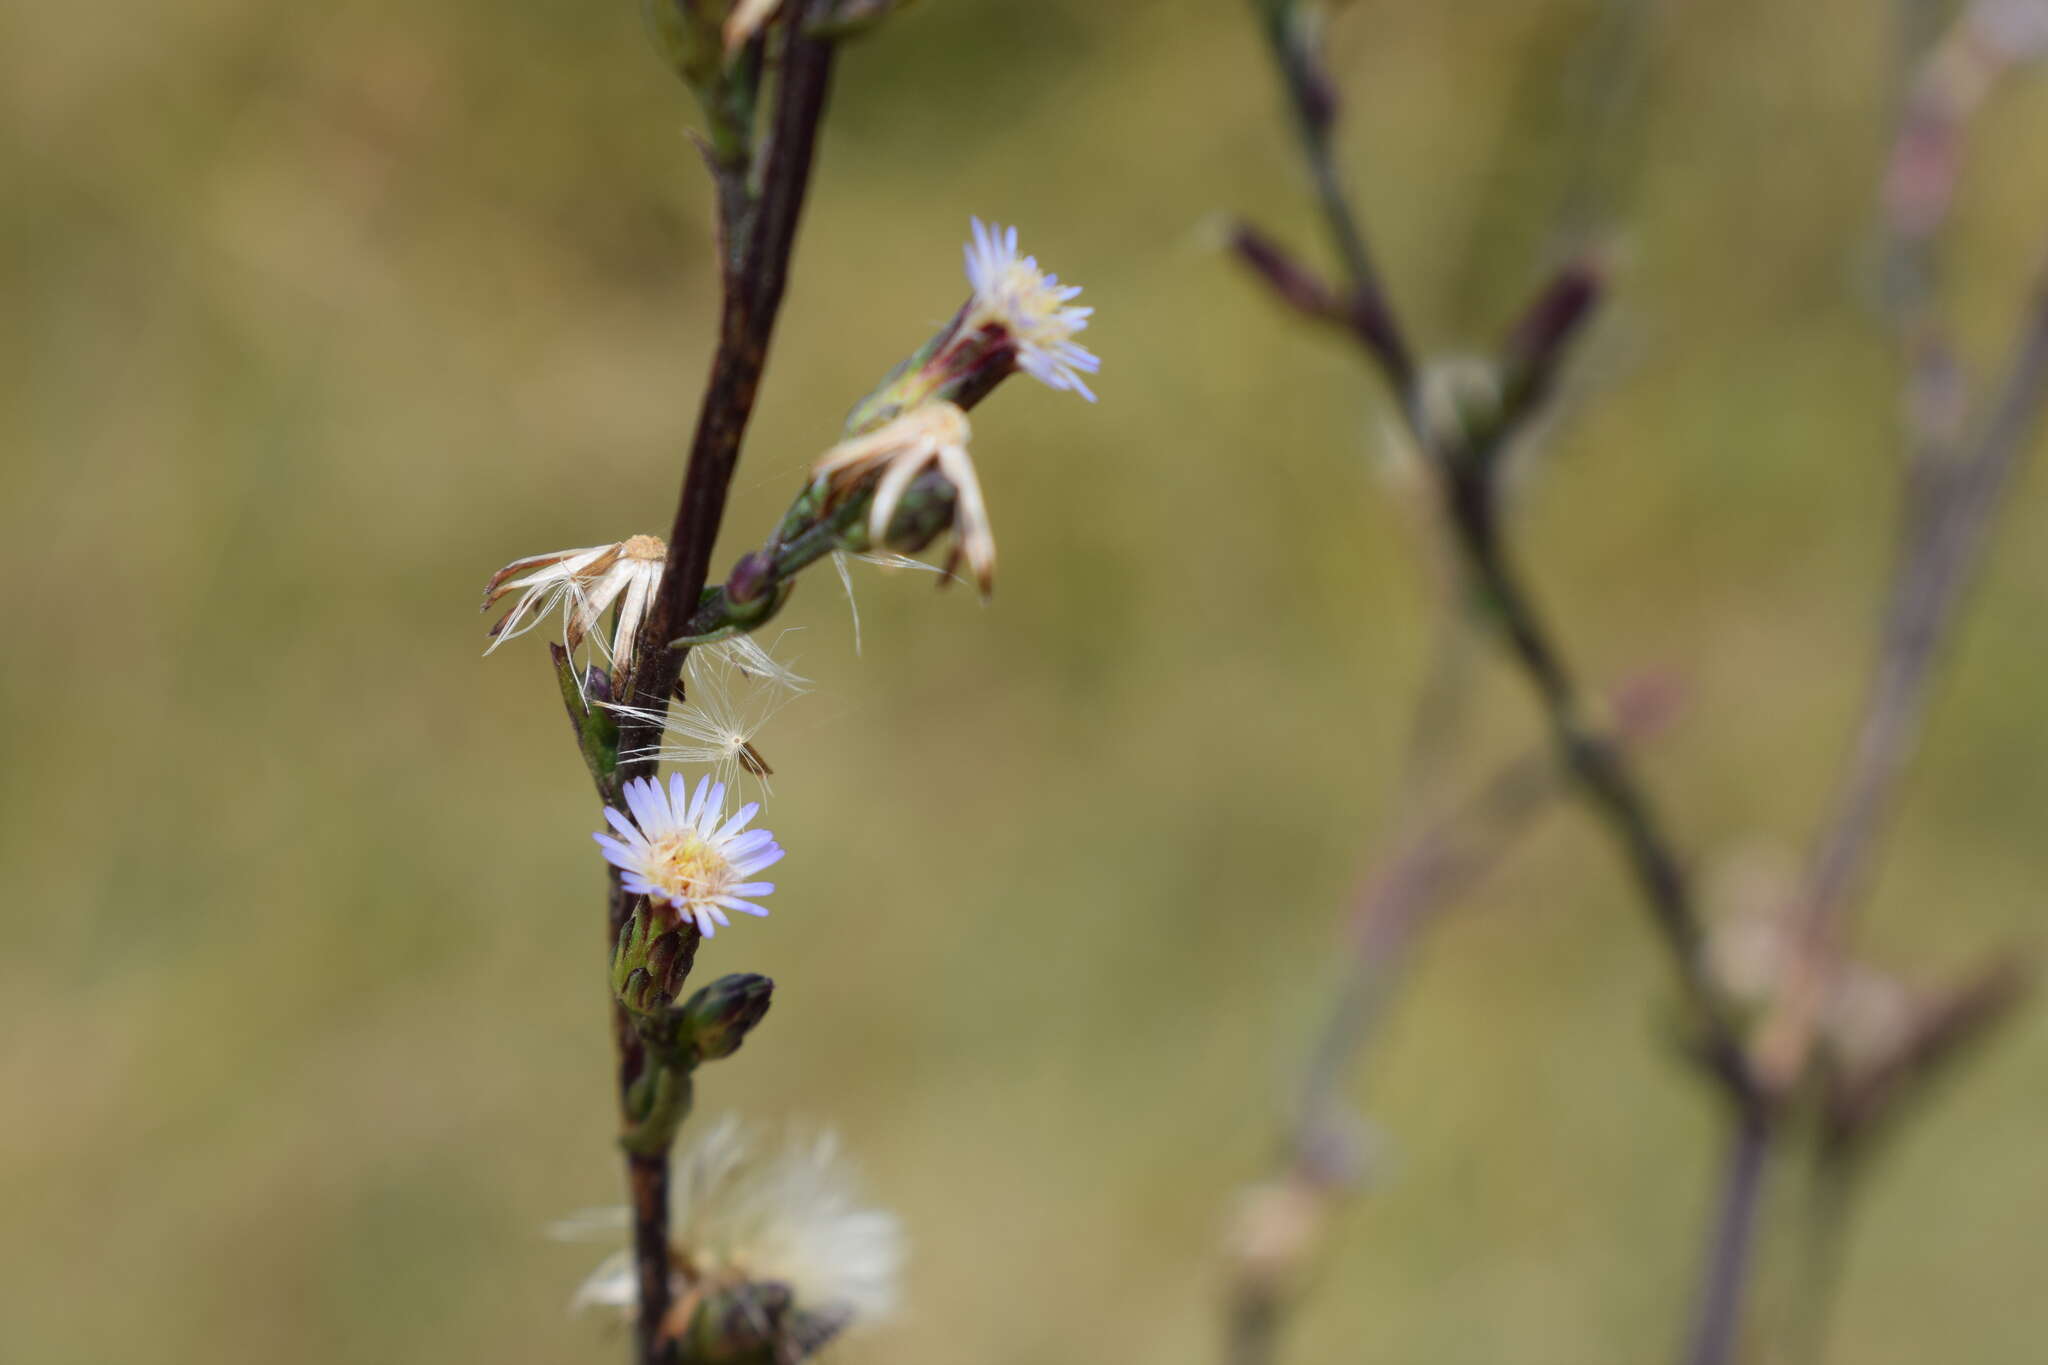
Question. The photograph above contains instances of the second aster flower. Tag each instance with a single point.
(678, 849)
(1031, 307)
(1018, 317)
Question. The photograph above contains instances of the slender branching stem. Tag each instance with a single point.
(1439, 861)
(760, 214)
(1312, 105)
(1919, 623)
(1465, 467)
(1954, 488)
(1724, 1277)
(1434, 866)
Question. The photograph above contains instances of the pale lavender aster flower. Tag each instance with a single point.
(680, 850)
(1031, 306)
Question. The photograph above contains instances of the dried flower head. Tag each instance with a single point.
(747, 19)
(585, 584)
(932, 436)
(1031, 307)
(679, 850)
(743, 1212)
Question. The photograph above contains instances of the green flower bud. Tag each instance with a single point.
(717, 1019)
(753, 1324)
(651, 962)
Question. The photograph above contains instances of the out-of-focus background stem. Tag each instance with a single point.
(1950, 497)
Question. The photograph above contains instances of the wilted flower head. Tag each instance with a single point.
(679, 850)
(1030, 306)
(746, 20)
(744, 1213)
(932, 436)
(584, 584)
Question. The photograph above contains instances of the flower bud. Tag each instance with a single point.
(1535, 350)
(735, 1325)
(717, 1019)
(1461, 405)
(750, 578)
(690, 36)
(651, 962)
(750, 1323)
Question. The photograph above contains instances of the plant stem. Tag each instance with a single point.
(755, 273)
(1433, 867)
(1717, 1316)
(1464, 469)
(1928, 589)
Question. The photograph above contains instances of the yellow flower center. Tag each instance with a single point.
(1033, 308)
(688, 869)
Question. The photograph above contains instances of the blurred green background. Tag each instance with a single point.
(315, 316)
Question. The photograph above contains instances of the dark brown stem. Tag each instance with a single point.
(1312, 104)
(756, 271)
(755, 279)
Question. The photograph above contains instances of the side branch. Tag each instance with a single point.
(1465, 458)
(1919, 621)
(1433, 866)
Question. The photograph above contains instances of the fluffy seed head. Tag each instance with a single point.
(744, 1210)
(731, 693)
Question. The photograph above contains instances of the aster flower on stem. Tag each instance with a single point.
(678, 849)
(770, 1246)
(1019, 317)
(584, 584)
(1030, 307)
(932, 436)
